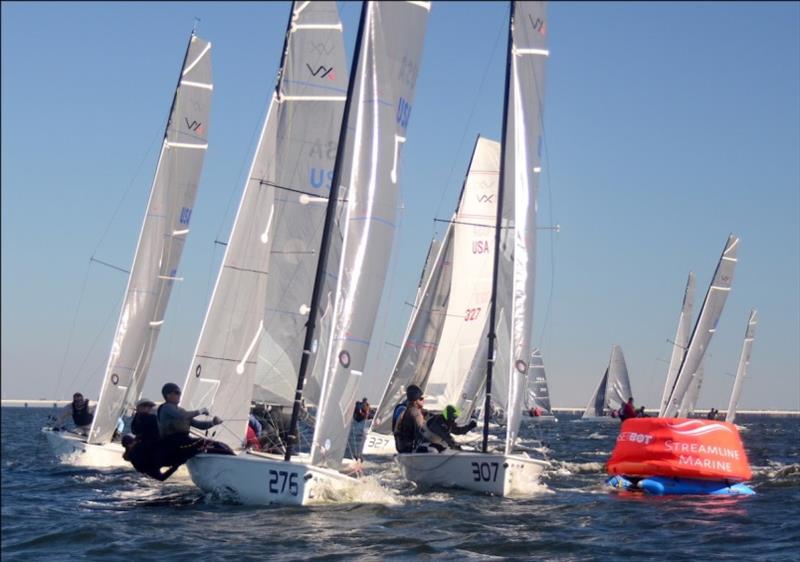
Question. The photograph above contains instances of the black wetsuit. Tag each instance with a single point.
(81, 416)
(145, 426)
(148, 457)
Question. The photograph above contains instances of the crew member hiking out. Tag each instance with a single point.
(444, 425)
(174, 424)
(148, 457)
(144, 424)
(628, 410)
(408, 424)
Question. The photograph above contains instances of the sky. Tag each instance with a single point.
(667, 127)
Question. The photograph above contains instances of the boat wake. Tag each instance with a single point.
(565, 468)
(366, 489)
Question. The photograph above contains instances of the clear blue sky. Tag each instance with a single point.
(668, 125)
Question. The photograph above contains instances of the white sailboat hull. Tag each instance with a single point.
(72, 449)
(378, 444)
(490, 473)
(255, 478)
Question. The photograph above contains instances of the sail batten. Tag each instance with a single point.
(158, 250)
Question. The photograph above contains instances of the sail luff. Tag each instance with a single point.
(705, 326)
(744, 362)
(681, 339)
(160, 243)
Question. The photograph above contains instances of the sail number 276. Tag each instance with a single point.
(485, 471)
(278, 480)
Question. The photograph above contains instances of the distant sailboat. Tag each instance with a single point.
(681, 339)
(447, 322)
(354, 250)
(613, 390)
(744, 362)
(502, 375)
(703, 331)
(537, 394)
(155, 264)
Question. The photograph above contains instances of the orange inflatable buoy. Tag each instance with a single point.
(681, 448)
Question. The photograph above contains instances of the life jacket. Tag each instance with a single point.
(81, 416)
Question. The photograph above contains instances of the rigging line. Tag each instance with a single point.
(72, 329)
(136, 172)
(112, 266)
(113, 310)
(471, 114)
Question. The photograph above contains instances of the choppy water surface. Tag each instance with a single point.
(54, 512)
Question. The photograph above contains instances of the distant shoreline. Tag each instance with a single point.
(59, 403)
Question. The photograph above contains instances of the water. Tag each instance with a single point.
(52, 511)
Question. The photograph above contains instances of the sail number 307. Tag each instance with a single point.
(485, 471)
(278, 480)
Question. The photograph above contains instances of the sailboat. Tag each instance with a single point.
(155, 264)
(744, 362)
(681, 341)
(451, 310)
(505, 472)
(348, 262)
(537, 394)
(674, 455)
(612, 391)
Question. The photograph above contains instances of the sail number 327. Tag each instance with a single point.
(279, 479)
(485, 471)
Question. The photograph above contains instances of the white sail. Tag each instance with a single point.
(681, 339)
(161, 241)
(744, 362)
(537, 394)
(264, 279)
(471, 283)
(386, 72)
(689, 401)
(614, 388)
(445, 328)
(520, 177)
(704, 328)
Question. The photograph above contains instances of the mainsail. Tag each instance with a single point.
(537, 395)
(744, 362)
(386, 71)
(161, 240)
(515, 242)
(704, 329)
(259, 301)
(452, 306)
(614, 388)
(681, 339)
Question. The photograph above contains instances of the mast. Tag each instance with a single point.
(327, 229)
(498, 225)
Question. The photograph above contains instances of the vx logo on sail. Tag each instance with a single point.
(195, 126)
(322, 71)
(538, 25)
(483, 198)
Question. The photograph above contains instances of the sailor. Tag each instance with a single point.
(174, 424)
(360, 416)
(408, 424)
(628, 410)
(82, 413)
(144, 424)
(444, 424)
(147, 457)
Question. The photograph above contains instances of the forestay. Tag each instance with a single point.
(744, 362)
(270, 259)
(537, 394)
(383, 97)
(520, 179)
(681, 339)
(161, 240)
(704, 328)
